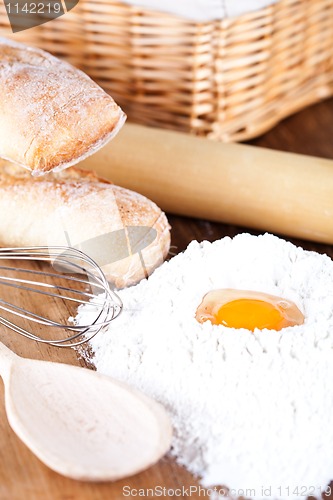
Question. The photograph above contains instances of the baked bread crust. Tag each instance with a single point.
(75, 207)
(51, 114)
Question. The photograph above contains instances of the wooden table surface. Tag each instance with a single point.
(22, 476)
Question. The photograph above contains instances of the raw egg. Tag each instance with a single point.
(248, 309)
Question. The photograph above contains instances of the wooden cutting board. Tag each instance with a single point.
(23, 476)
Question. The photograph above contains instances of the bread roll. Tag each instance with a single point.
(127, 234)
(51, 114)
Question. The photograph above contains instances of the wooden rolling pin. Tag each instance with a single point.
(237, 184)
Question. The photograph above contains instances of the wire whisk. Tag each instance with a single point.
(58, 280)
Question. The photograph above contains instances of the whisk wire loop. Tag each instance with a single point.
(43, 285)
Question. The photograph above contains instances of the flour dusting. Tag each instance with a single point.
(251, 411)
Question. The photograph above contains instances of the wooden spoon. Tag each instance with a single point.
(81, 424)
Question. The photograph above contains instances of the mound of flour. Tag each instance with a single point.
(252, 411)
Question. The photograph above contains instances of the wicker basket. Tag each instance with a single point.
(230, 80)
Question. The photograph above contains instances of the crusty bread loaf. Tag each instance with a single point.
(76, 208)
(51, 114)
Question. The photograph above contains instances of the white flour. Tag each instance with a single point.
(250, 410)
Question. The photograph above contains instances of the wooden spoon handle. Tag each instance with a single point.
(245, 185)
(6, 359)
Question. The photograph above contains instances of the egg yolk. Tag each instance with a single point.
(248, 309)
(250, 314)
